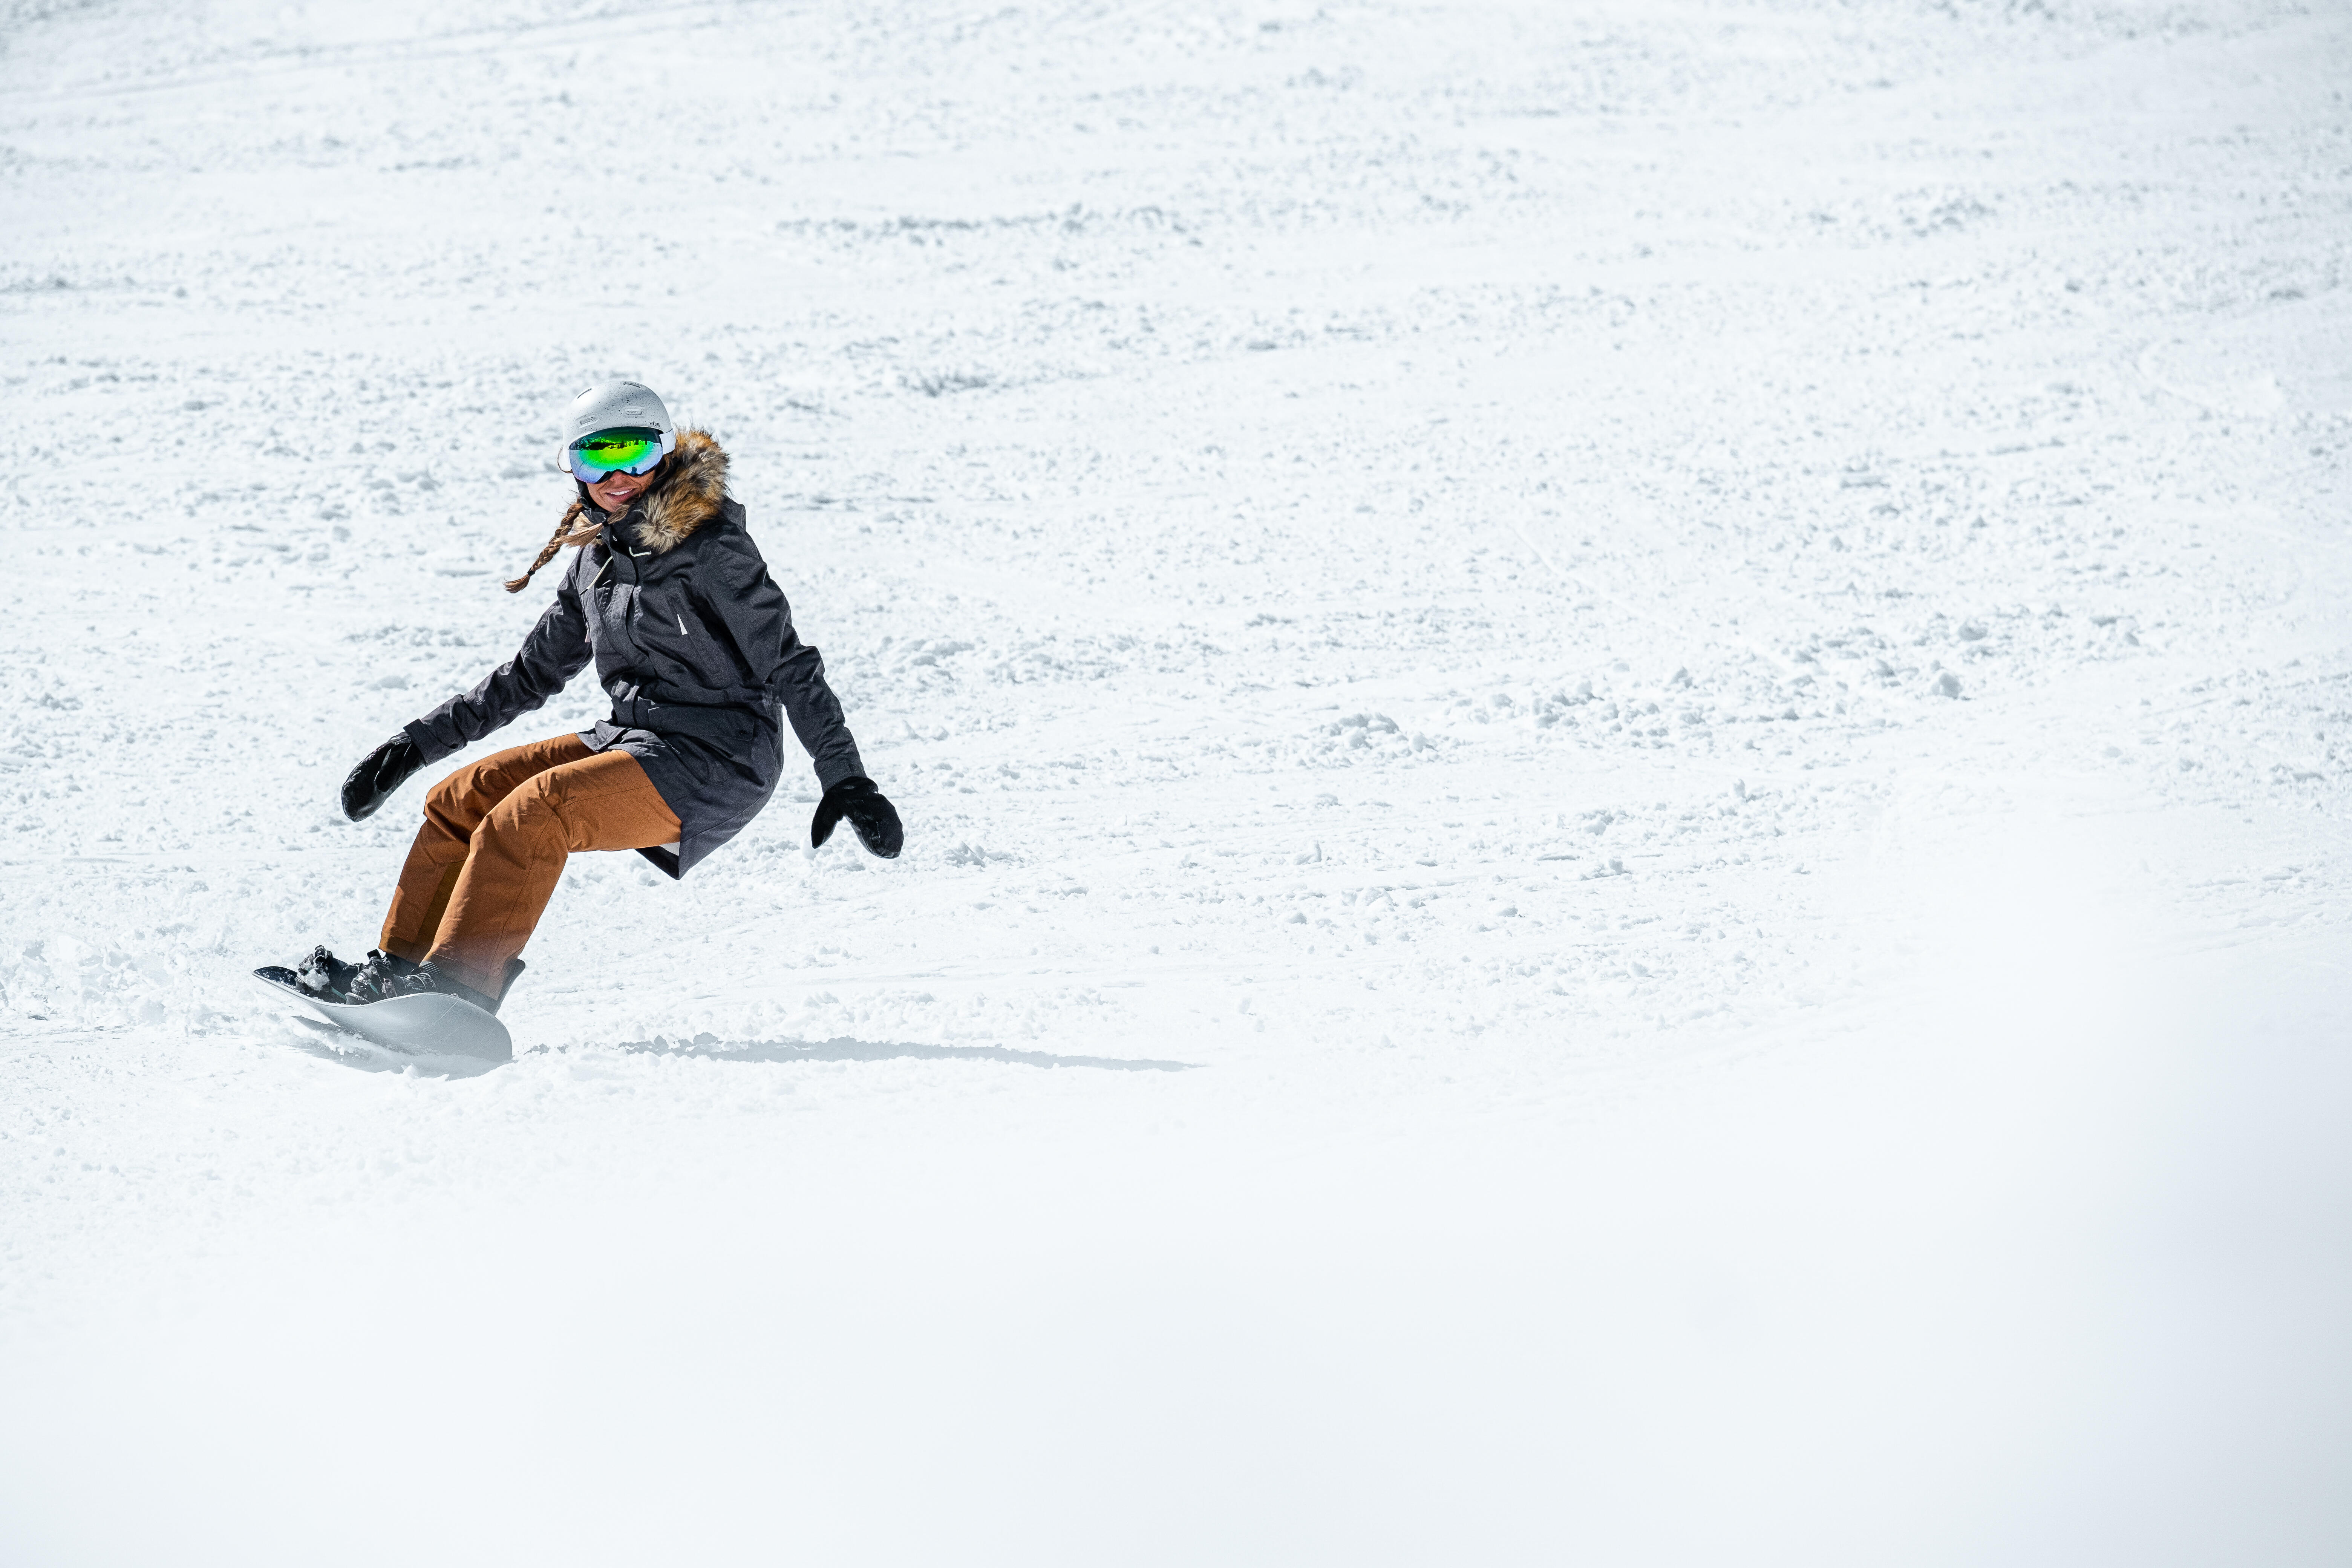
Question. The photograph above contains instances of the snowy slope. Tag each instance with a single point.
(1624, 733)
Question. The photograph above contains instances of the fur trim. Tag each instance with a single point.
(692, 489)
(687, 492)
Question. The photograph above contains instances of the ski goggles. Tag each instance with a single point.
(595, 458)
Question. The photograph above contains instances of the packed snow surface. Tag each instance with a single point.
(1624, 731)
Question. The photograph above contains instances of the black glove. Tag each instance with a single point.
(379, 772)
(874, 818)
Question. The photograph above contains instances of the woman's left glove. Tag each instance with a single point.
(874, 818)
(379, 772)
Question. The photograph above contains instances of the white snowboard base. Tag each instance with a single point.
(425, 1026)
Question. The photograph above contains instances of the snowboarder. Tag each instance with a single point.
(694, 643)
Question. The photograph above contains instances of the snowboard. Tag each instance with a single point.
(420, 1025)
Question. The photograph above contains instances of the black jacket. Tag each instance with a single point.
(694, 643)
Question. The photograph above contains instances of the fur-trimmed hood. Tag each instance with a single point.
(686, 493)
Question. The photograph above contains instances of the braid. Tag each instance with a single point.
(564, 535)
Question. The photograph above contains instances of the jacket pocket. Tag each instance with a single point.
(681, 629)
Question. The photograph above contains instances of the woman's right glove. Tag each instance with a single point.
(379, 772)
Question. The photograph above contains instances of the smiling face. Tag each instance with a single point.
(614, 492)
(602, 463)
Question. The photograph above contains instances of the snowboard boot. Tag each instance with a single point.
(325, 976)
(431, 974)
(445, 982)
(505, 981)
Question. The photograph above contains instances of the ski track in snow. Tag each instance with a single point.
(1471, 607)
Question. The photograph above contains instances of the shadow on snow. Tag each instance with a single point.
(346, 1049)
(844, 1049)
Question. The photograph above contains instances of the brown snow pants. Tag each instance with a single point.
(494, 838)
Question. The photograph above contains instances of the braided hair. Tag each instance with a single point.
(566, 532)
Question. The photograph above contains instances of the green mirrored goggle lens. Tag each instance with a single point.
(614, 452)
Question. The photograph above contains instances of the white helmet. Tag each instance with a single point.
(618, 426)
(618, 405)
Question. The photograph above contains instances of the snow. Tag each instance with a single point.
(1623, 731)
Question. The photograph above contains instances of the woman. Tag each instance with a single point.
(694, 643)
